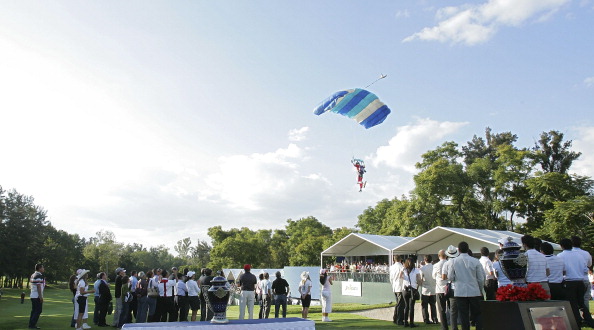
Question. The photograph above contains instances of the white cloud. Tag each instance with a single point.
(589, 82)
(405, 148)
(473, 24)
(298, 134)
(584, 143)
(402, 13)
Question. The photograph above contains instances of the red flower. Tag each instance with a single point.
(533, 291)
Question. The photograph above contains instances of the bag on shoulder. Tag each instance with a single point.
(449, 292)
(151, 291)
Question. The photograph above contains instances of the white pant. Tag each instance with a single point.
(326, 302)
(247, 297)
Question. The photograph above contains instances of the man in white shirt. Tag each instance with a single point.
(575, 266)
(266, 292)
(428, 291)
(451, 252)
(537, 264)
(490, 279)
(37, 283)
(556, 268)
(440, 286)
(468, 275)
(577, 244)
(398, 287)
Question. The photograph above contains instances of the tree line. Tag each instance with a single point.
(491, 183)
(488, 183)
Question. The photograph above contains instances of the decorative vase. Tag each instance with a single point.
(217, 299)
(514, 263)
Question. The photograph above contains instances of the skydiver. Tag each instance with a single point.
(360, 166)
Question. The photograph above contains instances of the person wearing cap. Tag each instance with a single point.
(246, 283)
(193, 293)
(37, 286)
(305, 291)
(280, 289)
(82, 305)
(326, 282)
(451, 252)
(468, 275)
(120, 273)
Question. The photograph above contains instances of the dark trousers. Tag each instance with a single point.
(36, 309)
(557, 291)
(203, 308)
(466, 305)
(428, 302)
(409, 307)
(399, 309)
(102, 312)
(96, 311)
(169, 312)
(280, 300)
(441, 308)
(574, 292)
(490, 289)
(159, 309)
(184, 307)
(133, 307)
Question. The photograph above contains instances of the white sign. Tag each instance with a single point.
(351, 288)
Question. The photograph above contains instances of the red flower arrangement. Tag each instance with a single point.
(533, 291)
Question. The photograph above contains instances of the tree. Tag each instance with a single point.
(306, 240)
(183, 248)
(552, 154)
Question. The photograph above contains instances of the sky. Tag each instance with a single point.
(159, 119)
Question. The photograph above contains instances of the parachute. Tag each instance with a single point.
(359, 104)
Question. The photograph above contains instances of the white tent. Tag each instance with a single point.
(439, 238)
(356, 244)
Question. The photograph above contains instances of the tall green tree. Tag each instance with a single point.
(306, 240)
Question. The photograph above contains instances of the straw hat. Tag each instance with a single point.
(81, 272)
(452, 251)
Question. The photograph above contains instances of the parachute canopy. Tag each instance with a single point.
(359, 104)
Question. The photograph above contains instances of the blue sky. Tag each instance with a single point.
(159, 119)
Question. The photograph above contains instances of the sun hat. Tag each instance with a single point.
(81, 272)
(304, 275)
(452, 251)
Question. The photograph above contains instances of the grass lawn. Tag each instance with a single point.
(57, 311)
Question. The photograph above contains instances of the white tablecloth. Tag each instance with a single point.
(293, 323)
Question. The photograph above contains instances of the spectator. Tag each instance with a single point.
(266, 291)
(167, 296)
(575, 267)
(398, 287)
(134, 303)
(258, 293)
(305, 291)
(502, 279)
(96, 299)
(280, 289)
(126, 298)
(411, 278)
(468, 275)
(556, 268)
(182, 298)
(326, 282)
(451, 252)
(206, 283)
(120, 273)
(82, 304)
(246, 283)
(73, 289)
(142, 297)
(428, 291)
(489, 270)
(37, 283)
(203, 306)
(537, 264)
(440, 286)
(193, 292)
(577, 244)
(104, 299)
(152, 299)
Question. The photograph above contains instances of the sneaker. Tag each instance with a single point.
(86, 326)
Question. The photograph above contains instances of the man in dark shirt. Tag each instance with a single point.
(203, 307)
(104, 299)
(205, 283)
(247, 283)
(120, 273)
(280, 288)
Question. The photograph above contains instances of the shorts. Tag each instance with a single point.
(305, 302)
(82, 304)
(194, 302)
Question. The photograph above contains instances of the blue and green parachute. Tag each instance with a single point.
(359, 104)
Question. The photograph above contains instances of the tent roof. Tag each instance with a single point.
(356, 244)
(441, 237)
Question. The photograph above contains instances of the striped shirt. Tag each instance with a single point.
(575, 265)
(537, 267)
(37, 282)
(586, 255)
(556, 268)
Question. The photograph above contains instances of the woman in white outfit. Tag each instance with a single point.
(305, 290)
(326, 281)
(81, 305)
